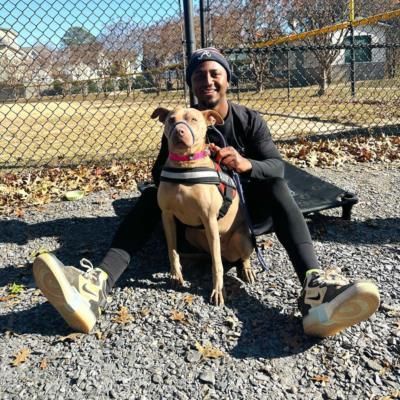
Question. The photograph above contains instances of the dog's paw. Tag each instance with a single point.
(177, 279)
(247, 275)
(217, 297)
(245, 272)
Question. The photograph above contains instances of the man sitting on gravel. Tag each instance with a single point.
(328, 302)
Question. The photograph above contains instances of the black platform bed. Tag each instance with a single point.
(313, 194)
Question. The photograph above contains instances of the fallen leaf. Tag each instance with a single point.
(21, 357)
(320, 378)
(99, 335)
(72, 337)
(43, 364)
(208, 351)
(123, 316)
(16, 288)
(266, 244)
(38, 252)
(188, 299)
(392, 396)
(9, 297)
(177, 316)
(144, 312)
(19, 213)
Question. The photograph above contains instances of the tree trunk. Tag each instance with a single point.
(323, 84)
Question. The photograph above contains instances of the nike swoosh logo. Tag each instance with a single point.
(315, 298)
(88, 290)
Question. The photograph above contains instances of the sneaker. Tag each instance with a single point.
(78, 296)
(330, 303)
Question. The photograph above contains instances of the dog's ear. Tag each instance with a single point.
(160, 113)
(212, 117)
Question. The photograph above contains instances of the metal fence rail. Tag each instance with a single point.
(78, 84)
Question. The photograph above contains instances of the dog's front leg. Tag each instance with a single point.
(214, 243)
(170, 234)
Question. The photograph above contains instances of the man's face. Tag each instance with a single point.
(210, 84)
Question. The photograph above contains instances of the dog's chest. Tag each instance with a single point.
(189, 202)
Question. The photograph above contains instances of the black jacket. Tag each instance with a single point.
(246, 131)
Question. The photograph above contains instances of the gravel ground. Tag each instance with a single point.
(153, 355)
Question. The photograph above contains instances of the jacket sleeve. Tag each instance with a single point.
(160, 161)
(261, 151)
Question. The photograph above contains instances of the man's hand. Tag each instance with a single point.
(230, 157)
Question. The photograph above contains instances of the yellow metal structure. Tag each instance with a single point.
(331, 28)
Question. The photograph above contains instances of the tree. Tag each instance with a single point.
(121, 44)
(162, 47)
(241, 24)
(76, 36)
(307, 15)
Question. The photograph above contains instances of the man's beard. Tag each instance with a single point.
(210, 104)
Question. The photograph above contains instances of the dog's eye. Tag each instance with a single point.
(172, 120)
(194, 119)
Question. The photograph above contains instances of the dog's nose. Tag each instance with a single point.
(180, 130)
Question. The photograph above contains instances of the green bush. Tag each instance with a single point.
(108, 85)
(58, 87)
(140, 82)
(76, 88)
(92, 87)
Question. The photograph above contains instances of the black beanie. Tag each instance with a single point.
(206, 54)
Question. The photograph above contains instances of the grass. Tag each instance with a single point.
(95, 129)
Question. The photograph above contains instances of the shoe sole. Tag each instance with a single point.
(51, 280)
(354, 305)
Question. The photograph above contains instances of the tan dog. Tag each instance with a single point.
(198, 204)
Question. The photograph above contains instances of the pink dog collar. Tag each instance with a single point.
(189, 157)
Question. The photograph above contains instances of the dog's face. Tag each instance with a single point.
(186, 128)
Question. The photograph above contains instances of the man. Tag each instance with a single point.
(329, 303)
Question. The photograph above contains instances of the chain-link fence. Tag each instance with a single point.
(78, 82)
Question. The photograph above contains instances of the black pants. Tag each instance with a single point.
(268, 200)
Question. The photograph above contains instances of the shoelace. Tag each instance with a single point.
(87, 264)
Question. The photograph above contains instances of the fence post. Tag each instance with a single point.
(352, 52)
(352, 62)
(202, 25)
(189, 35)
(288, 74)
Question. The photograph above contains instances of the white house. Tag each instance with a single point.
(22, 72)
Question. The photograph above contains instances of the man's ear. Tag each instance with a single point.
(161, 113)
(212, 117)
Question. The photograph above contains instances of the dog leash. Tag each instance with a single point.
(236, 178)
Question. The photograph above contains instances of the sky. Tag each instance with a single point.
(46, 21)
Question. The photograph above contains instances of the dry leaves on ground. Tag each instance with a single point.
(21, 357)
(41, 186)
(325, 153)
(208, 351)
(188, 299)
(178, 316)
(320, 378)
(72, 337)
(43, 363)
(123, 316)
